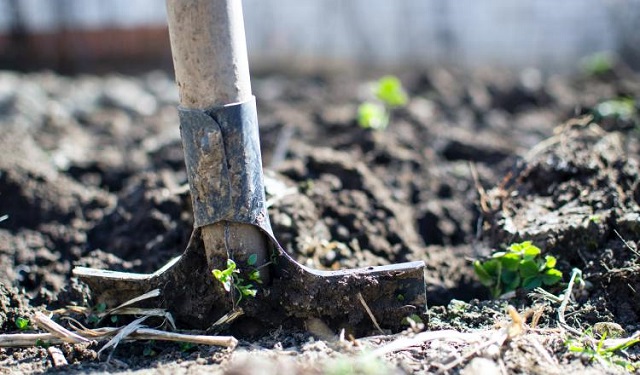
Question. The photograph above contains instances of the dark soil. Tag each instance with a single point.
(92, 174)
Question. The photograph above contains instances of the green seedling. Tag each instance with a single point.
(389, 94)
(22, 323)
(389, 90)
(231, 280)
(598, 64)
(521, 266)
(42, 344)
(98, 310)
(186, 346)
(373, 116)
(149, 350)
(604, 352)
(623, 108)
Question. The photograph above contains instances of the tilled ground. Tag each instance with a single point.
(92, 174)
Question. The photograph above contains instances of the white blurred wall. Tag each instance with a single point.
(547, 34)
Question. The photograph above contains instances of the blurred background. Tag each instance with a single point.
(74, 36)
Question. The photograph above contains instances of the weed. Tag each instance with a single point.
(603, 353)
(186, 347)
(22, 323)
(595, 219)
(94, 317)
(230, 278)
(598, 64)
(521, 266)
(42, 344)
(373, 116)
(389, 94)
(149, 350)
(623, 108)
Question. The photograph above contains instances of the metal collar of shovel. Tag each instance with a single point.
(222, 157)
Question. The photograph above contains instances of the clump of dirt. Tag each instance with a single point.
(92, 174)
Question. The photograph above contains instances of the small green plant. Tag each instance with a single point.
(186, 347)
(598, 64)
(623, 108)
(96, 313)
(520, 266)
(389, 94)
(231, 280)
(601, 352)
(22, 323)
(149, 349)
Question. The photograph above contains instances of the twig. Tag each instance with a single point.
(484, 205)
(154, 334)
(626, 243)
(366, 307)
(563, 306)
(533, 340)
(103, 334)
(122, 333)
(497, 339)
(150, 294)
(421, 338)
(226, 319)
(56, 329)
(15, 340)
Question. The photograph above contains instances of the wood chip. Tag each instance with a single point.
(57, 357)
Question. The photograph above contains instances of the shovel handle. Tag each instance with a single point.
(212, 70)
(209, 52)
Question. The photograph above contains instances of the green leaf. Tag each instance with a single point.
(518, 247)
(530, 251)
(389, 90)
(373, 116)
(485, 278)
(528, 268)
(218, 274)
(550, 261)
(252, 260)
(623, 108)
(493, 267)
(247, 291)
(255, 276)
(532, 282)
(231, 265)
(22, 323)
(101, 307)
(511, 282)
(508, 277)
(510, 261)
(551, 276)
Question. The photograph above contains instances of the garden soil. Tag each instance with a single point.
(92, 174)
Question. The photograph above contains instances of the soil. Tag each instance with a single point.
(92, 174)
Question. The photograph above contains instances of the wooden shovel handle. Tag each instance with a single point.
(209, 52)
(210, 61)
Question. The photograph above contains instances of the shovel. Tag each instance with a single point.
(219, 131)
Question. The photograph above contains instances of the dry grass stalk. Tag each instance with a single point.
(57, 330)
(366, 307)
